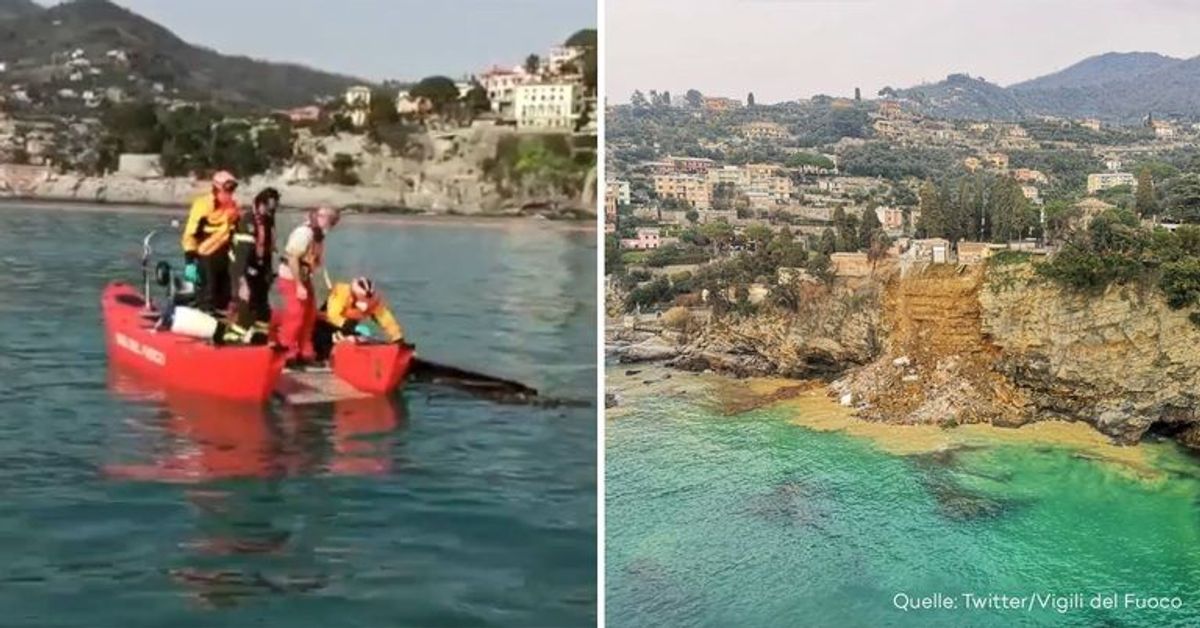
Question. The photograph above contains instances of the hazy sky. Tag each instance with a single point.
(789, 49)
(375, 39)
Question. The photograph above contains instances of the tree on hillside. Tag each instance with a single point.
(1183, 198)
(477, 100)
(383, 109)
(723, 195)
(932, 223)
(847, 230)
(440, 91)
(589, 69)
(1145, 203)
(135, 126)
(750, 99)
(694, 98)
(638, 99)
(583, 38)
(1009, 212)
(758, 234)
(612, 255)
(870, 229)
(828, 242)
(692, 216)
(857, 94)
(533, 63)
(719, 233)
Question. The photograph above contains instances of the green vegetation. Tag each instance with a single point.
(587, 64)
(977, 208)
(1067, 169)
(801, 160)
(540, 161)
(766, 253)
(879, 159)
(1115, 249)
(194, 140)
(440, 91)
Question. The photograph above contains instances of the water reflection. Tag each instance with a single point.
(251, 533)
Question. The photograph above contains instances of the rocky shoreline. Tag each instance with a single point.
(174, 192)
(947, 346)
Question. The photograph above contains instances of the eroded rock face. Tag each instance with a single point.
(1122, 361)
(948, 345)
(937, 367)
(835, 329)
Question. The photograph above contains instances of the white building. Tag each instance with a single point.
(406, 105)
(550, 106)
(501, 86)
(358, 117)
(1105, 180)
(621, 187)
(560, 56)
(358, 96)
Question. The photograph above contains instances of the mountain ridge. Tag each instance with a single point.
(31, 39)
(1114, 86)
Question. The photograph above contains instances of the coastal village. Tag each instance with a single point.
(921, 269)
(753, 176)
(68, 131)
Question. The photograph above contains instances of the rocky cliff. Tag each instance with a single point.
(1122, 360)
(832, 329)
(999, 344)
(436, 173)
(949, 345)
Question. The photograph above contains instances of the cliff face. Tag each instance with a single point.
(438, 173)
(833, 328)
(949, 345)
(937, 365)
(1122, 361)
(998, 344)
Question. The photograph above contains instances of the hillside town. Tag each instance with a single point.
(842, 187)
(89, 124)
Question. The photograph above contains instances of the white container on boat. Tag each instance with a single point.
(188, 321)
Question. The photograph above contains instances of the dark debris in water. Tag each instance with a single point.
(940, 474)
(791, 502)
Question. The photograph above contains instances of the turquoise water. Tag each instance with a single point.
(750, 520)
(127, 507)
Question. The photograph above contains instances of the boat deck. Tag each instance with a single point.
(315, 386)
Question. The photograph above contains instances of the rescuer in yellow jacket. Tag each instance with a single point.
(206, 241)
(347, 310)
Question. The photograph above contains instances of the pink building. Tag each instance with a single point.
(311, 113)
(691, 165)
(647, 238)
(891, 218)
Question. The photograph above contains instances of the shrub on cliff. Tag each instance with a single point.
(678, 318)
(1180, 282)
(538, 163)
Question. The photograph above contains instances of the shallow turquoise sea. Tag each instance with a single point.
(124, 506)
(752, 520)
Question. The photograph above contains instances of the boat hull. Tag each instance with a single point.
(236, 372)
(374, 368)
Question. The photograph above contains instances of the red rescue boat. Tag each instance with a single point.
(241, 372)
(375, 368)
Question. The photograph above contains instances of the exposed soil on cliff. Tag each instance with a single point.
(937, 367)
